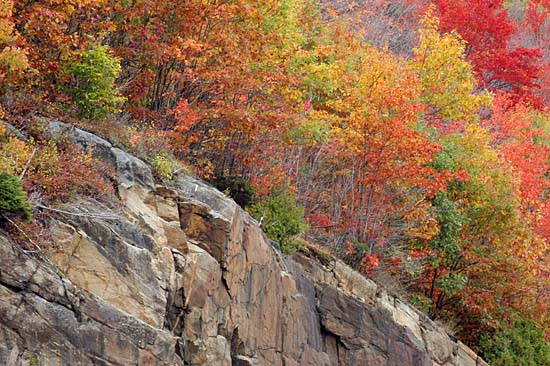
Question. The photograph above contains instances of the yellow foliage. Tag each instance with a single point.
(491, 193)
(13, 59)
(447, 81)
(377, 91)
(13, 155)
(422, 224)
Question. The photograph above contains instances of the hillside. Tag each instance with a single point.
(181, 275)
(408, 139)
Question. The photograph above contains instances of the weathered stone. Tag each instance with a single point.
(209, 230)
(131, 170)
(110, 267)
(12, 131)
(46, 326)
(354, 283)
(86, 141)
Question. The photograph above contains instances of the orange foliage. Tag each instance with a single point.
(57, 174)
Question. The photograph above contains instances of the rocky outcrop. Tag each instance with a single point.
(180, 275)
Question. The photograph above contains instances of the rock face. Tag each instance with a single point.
(182, 276)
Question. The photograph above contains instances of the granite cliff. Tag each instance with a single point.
(181, 275)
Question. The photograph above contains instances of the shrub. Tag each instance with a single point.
(281, 217)
(93, 82)
(13, 199)
(14, 153)
(58, 172)
(522, 344)
(163, 166)
(54, 170)
(236, 187)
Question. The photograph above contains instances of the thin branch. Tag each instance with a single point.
(27, 164)
(39, 249)
(82, 214)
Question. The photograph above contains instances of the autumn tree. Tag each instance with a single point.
(447, 82)
(383, 23)
(54, 29)
(533, 19)
(487, 29)
(360, 115)
(13, 56)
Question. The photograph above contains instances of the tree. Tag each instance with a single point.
(487, 28)
(92, 87)
(13, 57)
(522, 136)
(485, 261)
(384, 23)
(520, 344)
(447, 82)
(280, 216)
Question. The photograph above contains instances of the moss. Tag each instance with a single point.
(33, 361)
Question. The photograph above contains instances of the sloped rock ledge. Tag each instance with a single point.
(182, 276)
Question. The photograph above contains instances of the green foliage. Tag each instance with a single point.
(522, 344)
(487, 197)
(237, 188)
(450, 220)
(13, 199)
(421, 302)
(452, 283)
(163, 166)
(93, 86)
(282, 217)
(33, 361)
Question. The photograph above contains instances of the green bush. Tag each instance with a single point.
(421, 302)
(93, 82)
(236, 187)
(13, 199)
(163, 166)
(281, 218)
(522, 344)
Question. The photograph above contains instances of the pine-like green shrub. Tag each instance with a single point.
(522, 344)
(281, 218)
(92, 87)
(13, 199)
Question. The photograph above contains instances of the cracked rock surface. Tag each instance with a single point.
(183, 276)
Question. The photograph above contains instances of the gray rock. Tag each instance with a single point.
(47, 321)
(12, 131)
(131, 170)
